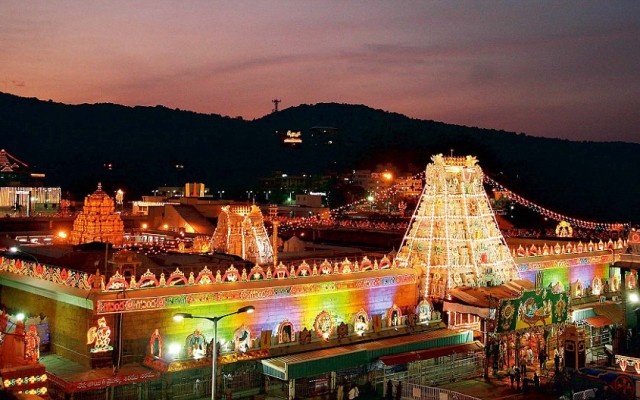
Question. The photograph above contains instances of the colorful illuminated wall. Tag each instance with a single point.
(568, 275)
(300, 310)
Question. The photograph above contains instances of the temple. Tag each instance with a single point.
(319, 323)
(98, 221)
(241, 231)
(453, 235)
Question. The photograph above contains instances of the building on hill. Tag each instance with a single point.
(22, 192)
(98, 221)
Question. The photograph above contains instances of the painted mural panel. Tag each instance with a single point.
(534, 308)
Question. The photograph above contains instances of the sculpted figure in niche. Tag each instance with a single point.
(32, 345)
(305, 336)
(342, 330)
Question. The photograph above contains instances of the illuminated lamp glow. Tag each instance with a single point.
(165, 226)
(174, 349)
(20, 316)
(325, 335)
(178, 317)
(62, 235)
(144, 226)
(634, 298)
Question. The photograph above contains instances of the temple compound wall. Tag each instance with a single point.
(319, 307)
(587, 274)
(68, 324)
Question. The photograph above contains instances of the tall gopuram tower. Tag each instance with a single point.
(453, 235)
(98, 221)
(241, 231)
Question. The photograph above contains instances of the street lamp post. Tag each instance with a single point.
(15, 250)
(214, 355)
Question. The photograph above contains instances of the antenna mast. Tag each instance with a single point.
(275, 105)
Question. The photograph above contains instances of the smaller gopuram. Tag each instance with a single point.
(98, 221)
(241, 231)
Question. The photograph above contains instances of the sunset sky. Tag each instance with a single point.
(545, 68)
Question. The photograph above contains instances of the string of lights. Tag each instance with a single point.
(382, 195)
(551, 214)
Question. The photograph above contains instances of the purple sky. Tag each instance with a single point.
(546, 68)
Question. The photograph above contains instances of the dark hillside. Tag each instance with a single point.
(71, 144)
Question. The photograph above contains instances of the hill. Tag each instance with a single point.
(72, 143)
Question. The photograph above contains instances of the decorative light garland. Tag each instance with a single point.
(551, 214)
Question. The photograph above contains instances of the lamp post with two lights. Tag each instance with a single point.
(214, 355)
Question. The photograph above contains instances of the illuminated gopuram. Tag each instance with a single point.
(241, 231)
(453, 235)
(98, 221)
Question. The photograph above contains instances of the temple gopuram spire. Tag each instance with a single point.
(98, 221)
(453, 235)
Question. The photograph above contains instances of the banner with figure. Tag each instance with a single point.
(538, 307)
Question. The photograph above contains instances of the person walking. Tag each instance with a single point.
(389, 393)
(512, 375)
(517, 374)
(542, 357)
(399, 391)
(523, 366)
(536, 382)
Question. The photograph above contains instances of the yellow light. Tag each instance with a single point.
(165, 226)
(62, 235)
(387, 176)
(144, 226)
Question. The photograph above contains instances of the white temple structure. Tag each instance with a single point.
(241, 231)
(453, 235)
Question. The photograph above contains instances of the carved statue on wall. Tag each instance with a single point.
(32, 345)
(100, 336)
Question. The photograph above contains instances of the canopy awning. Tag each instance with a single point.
(613, 311)
(598, 321)
(332, 359)
(482, 312)
(412, 356)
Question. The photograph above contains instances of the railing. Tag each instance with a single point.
(418, 392)
(585, 394)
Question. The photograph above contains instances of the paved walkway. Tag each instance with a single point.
(496, 388)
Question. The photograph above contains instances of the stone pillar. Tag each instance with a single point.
(292, 389)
